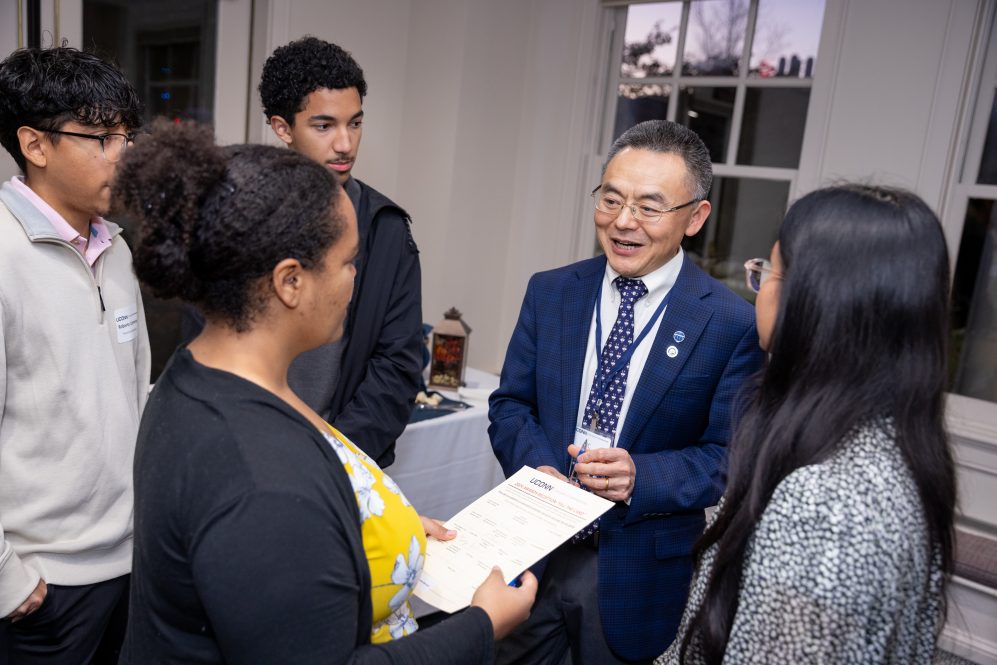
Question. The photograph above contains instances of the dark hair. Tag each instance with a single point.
(860, 334)
(300, 68)
(215, 221)
(670, 137)
(46, 88)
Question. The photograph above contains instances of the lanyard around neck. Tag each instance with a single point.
(600, 383)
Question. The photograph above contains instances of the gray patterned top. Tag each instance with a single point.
(838, 569)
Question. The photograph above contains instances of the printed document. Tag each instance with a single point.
(513, 526)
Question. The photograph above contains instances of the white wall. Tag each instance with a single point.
(888, 87)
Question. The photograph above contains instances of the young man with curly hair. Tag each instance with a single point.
(312, 93)
(74, 361)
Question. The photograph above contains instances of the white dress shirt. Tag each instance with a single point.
(658, 284)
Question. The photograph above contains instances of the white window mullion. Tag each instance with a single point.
(676, 78)
(758, 172)
(738, 116)
(749, 38)
(616, 46)
(735, 125)
(974, 191)
(978, 129)
(719, 81)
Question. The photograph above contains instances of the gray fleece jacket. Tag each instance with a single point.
(74, 375)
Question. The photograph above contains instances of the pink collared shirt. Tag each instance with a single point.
(89, 248)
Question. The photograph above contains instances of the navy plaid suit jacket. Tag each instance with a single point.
(676, 431)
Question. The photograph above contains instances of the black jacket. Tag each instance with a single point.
(381, 363)
(247, 539)
(382, 360)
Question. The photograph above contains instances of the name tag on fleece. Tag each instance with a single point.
(126, 320)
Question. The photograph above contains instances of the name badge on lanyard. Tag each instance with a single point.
(589, 439)
(591, 436)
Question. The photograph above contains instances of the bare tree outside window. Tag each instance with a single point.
(639, 58)
(717, 40)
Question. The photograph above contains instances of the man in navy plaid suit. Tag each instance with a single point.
(647, 354)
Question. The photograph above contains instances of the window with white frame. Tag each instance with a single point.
(973, 202)
(738, 73)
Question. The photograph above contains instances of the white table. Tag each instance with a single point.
(445, 463)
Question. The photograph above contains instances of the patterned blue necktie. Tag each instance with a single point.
(607, 407)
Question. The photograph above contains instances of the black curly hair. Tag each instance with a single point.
(300, 68)
(215, 221)
(46, 88)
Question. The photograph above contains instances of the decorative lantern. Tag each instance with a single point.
(449, 351)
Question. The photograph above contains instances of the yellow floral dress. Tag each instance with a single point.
(393, 539)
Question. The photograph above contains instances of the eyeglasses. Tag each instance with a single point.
(610, 204)
(111, 145)
(757, 272)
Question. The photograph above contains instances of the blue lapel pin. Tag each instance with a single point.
(678, 336)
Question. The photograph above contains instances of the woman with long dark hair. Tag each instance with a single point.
(833, 541)
(262, 534)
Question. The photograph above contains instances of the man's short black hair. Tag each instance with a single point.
(46, 88)
(670, 137)
(300, 68)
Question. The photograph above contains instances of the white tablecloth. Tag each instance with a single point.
(445, 463)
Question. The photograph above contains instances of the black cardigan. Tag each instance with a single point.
(247, 539)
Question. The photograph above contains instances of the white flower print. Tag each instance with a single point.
(406, 573)
(341, 451)
(369, 501)
(394, 488)
(401, 623)
(363, 474)
(368, 498)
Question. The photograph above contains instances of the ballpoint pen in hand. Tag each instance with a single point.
(572, 476)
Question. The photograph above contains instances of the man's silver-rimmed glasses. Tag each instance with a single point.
(611, 204)
(111, 145)
(757, 272)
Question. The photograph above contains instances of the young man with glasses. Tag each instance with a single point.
(643, 355)
(74, 361)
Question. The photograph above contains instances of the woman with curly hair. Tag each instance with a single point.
(262, 534)
(834, 539)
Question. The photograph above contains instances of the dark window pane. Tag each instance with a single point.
(772, 129)
(167, 50)
(638, 103)
(715, 37)
(651, 39)
(743, 224)
(174, 101)
(707, 111)
(165, 47)
(974, 305)
(184, 58)
(787, 33)
(988, 163)
(158, 64)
